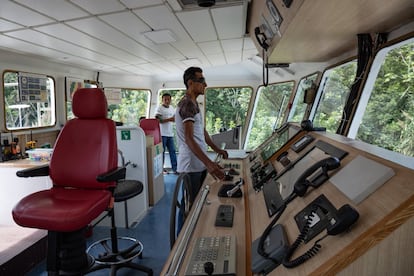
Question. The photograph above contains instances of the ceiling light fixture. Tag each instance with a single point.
(206, 3)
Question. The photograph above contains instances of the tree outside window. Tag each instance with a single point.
(37, 109)
(388, 119)
(268, 115)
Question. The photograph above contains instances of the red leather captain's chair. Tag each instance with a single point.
(84, 170)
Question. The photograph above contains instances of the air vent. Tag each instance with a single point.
(192, 4)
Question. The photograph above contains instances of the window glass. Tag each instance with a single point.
(29, 100)
(388, 118)
(127, 105)
(176, 95)
(299, 106)
(72, 85)
(271, 103)
(333, 93)
(226, 108)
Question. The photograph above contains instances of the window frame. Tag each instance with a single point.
(255, 101)
(53, 107)
(296, 98)
(148, 105)
(320, 92)
(368, 90)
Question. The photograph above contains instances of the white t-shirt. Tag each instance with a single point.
(187, 110)
(165, 113)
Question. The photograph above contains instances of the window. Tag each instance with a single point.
(332, 95)
(176, 95)
(226, 107)
(271, 103)
(385, 115)
(29, 100)
(128, 105)
(73, 84)
(299, 106)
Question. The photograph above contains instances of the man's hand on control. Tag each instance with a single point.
(216, 170)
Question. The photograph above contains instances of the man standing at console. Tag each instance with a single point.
(165, 114)
(193, 138)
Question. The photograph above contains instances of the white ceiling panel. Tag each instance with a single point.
(248, 44)
(231, 45)
(86, 63)
(98, 29)
(16, 45)
(233, 57)
(249, 54)
(132, 4)
(58, 9)
(130, 68)
(99, 6)
(128, 23)
(210, 47)
(233, 28)
(167, 66)
(188, 49)
(19, 14)
(199, 25)
(61, 46)
(167, 51)
(217, 59)
(149, 67)
(108, 35)
(7, 26)
(159, 18)
(71, 35)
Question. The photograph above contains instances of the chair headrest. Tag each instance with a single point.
(89, 103)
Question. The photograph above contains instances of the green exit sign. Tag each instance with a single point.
(125, 135)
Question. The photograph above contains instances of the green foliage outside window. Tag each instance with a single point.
(336, 85)
(271, 104)
(25, 114)
(134, 105)
(226, 107)
(299, 107)
(388, 120)
(176, 95)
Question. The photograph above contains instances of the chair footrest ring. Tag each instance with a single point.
(128, 249)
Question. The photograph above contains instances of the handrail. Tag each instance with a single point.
(183, 243)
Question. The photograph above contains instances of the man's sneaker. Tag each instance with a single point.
(165, 171)
(175, 172)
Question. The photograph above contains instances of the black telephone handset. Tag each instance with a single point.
(261, 38)
(340, 222)
(313, 176)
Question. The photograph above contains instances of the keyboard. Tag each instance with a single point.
(219, 250)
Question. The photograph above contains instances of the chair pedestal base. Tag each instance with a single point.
(66, 253)
(106, 257)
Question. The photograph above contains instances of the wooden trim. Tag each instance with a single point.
(368, 239)
(247, 224)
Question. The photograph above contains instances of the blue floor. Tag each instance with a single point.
(152, 231)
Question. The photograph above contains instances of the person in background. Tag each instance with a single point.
(193, 138)
(165, 114)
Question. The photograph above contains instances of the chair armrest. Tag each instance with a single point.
(114, 175)
(42, 170)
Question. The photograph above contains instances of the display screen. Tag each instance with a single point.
(275, 144)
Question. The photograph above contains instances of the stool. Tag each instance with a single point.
(106, 252)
